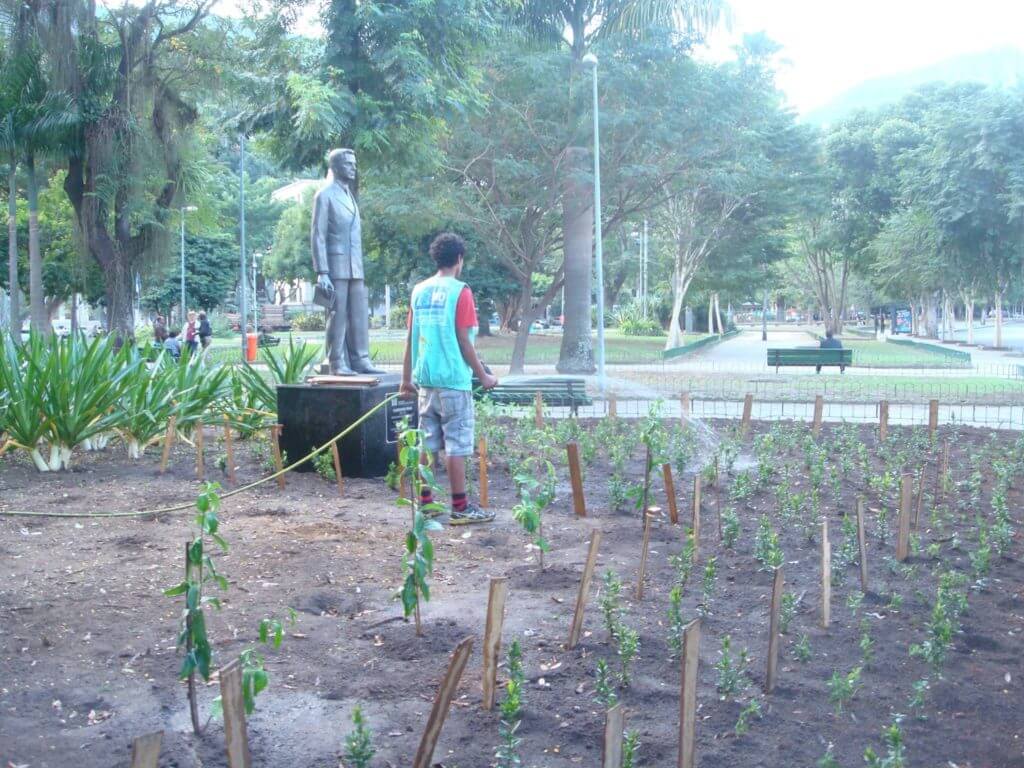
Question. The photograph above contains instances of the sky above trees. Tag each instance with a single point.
(829, 47)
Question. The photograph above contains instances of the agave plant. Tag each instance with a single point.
(254, 396)
(21, 381)
(147, 404)
(83, 382)
(197, 387)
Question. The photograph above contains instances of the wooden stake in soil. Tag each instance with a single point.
(773, 631)
(236, 740)
(684, 407)
(614, 722)
(425, 753)
(688, 695)
(193, 701)
(200, 459)
(933, 417)
(695, 519)
(920, 496)
(584, 591)
(229, 450)
(168, 442)
(146, 750)
(579, 502)
(906, 502)
(492, 637)
(941, 474)
(275, 446)
(748, 410)
(819, 412)
(826, 576)
(613, 406)
(401, 472)
(883, 420)
(336, 455)
(862, 546)
(484, 487)
(670, 493)
(645, 544)
(538, 410)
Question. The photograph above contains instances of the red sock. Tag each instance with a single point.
(426, 496)
(459, 502)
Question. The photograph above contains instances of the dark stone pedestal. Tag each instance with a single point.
(312, 415)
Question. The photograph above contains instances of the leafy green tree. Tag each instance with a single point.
(131, 157)
(211, 272)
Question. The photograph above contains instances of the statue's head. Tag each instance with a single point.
(342, 163)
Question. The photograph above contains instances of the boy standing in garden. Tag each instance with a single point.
(438, 368)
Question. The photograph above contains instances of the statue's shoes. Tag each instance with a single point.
(366, 368)
(341, 370)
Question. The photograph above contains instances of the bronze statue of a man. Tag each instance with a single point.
(338, 260)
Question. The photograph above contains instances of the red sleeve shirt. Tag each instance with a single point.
(465, 310)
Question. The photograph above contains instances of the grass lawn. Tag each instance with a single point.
(880, 354)
(495, 350)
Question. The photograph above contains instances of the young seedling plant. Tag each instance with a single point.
(199, 571)
(536, 481)
(359, 750)
(419, 549)
(507, 753)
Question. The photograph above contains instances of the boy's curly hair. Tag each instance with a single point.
(446, 250)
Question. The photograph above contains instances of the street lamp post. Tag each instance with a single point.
(591, 61)
(243, 310)
(184, 209)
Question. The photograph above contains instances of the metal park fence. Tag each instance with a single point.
(999, 416)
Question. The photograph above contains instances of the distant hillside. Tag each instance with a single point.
(1002, 67)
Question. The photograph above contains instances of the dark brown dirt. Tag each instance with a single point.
(84, 628)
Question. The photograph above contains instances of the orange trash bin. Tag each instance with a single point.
(251, 343)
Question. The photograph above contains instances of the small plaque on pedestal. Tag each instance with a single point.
(313, 413)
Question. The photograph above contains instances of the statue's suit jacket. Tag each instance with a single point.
(337, 243)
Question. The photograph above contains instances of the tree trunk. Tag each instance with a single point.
(711, 313)
(999, 318)
(120, 307)
(931, 318)
(36, 300)
(483, 317)
(12, 251)
(577, 352)
(523, 333)
(681, 280)
(969, 316)
(718, 317)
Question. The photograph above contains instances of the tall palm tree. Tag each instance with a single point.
(34, 122)
(579, 24)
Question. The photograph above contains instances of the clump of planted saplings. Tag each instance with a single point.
(624, 639)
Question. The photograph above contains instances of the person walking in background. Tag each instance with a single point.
(159, 330)
(205, 331)
(438, 368)
(190, 332)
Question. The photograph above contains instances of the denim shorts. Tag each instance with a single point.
(447, 414)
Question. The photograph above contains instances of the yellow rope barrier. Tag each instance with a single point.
(191, 504)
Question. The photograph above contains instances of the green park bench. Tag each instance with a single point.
(802, 357)
(561, 391)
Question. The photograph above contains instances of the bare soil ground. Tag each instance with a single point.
(87, 640)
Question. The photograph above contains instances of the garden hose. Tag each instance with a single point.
(191, 504)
